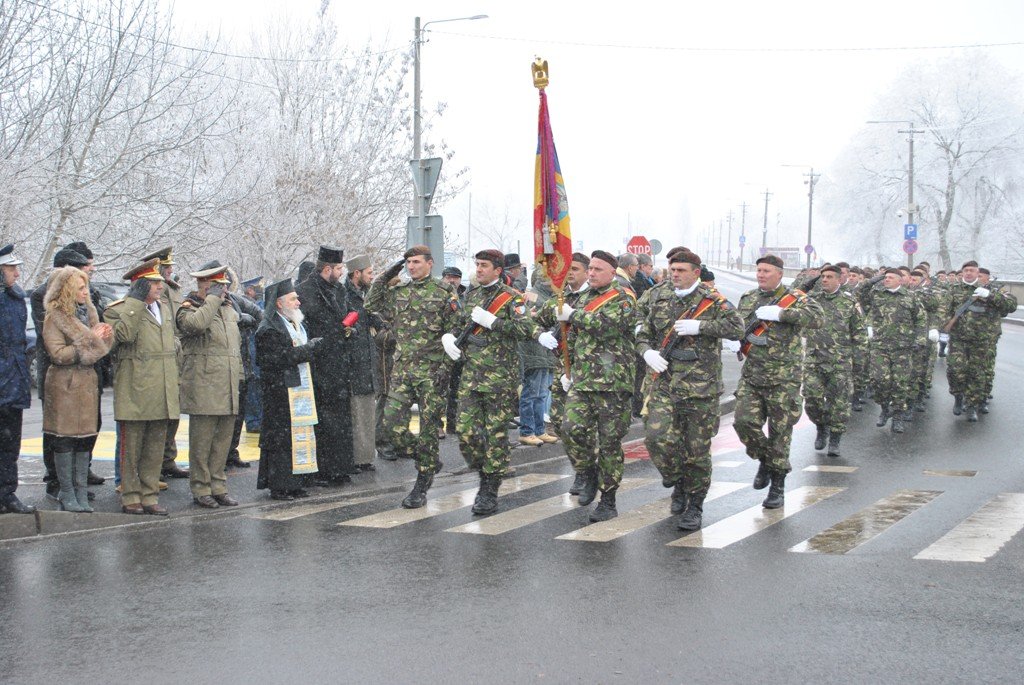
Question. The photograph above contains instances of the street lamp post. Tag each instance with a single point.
(812, 178)
(911, 208)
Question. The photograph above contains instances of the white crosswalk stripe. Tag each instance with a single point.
(981, 534)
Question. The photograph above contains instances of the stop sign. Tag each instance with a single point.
(638, 245)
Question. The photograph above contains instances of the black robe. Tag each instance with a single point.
(278, 360)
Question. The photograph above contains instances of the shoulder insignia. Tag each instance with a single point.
(116, 302)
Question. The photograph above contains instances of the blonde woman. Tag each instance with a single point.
(75, 340)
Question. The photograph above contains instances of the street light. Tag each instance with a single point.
(911, 208)
(812, 178)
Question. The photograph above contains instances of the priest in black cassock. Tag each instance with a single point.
(283, 352)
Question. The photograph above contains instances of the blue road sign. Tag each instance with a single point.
(743, 240)
(910, 233)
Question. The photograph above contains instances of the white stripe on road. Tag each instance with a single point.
(289, 513)
(829, 468)
(952, 473)
(728, 464)
(983, 533)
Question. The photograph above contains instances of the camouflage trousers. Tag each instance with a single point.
(679, 432)
(482, 426)
(969, 366)
(593, 428)
(861, 369)
(990, 366)
(777, 405)
(923, 364)
(405, 391)
(827, 394)
(892, 380)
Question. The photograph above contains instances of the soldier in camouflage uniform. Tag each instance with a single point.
(985, 279)
(828, 360)
(769, 389)
(682, 412)
(597, 409)
(495, 315)
(932, 299)
(860, 352)
(973, 339)
(421, 311)
(896, 327)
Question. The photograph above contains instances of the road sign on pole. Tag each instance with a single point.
(809, 249)
(655, 247)
(910, 246)
(743, 240)
(638, 244)
(425, 173)
(910, 232)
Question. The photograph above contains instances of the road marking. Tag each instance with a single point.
(753, 520)
(868, 523)
(960, 474)
(981, 534)
(443, 505)
(635, 519)
(505, 521)
(829, 468)
(727, 464)
(289, 513)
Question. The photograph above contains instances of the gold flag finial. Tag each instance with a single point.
(540, 73)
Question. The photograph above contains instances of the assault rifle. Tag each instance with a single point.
(754, 323)
(460, 341)
(958, 313)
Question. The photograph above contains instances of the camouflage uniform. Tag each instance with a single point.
(972, 341)
(932, 300)
(828, 360)
(490, 375)
(861, 369)
(597, 409)
(682, 412)
(546, 319)
(420, 313)
(898, 320)
(769, 389)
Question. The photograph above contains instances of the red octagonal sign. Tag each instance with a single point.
(638, 244)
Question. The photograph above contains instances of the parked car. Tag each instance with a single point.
(110, 291)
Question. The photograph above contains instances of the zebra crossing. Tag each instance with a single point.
(978, 538)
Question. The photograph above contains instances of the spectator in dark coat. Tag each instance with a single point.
(15, 394)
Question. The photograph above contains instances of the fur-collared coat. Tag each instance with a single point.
(71, 398)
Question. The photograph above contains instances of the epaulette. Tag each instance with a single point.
(119, 300)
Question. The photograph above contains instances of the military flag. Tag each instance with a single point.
(552, 241)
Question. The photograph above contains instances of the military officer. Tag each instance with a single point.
(769, 389)
(679, 341)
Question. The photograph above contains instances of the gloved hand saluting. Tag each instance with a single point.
(450, 348)
(217, 290)
(394, 270)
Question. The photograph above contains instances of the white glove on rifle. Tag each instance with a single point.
(565, 312)
(933, 335)
(483, 317)
(871, 332)
(548, 340)
(565, 382)
(768, 312)
(654, 360)
(450, 348)
(687, 327)
(981, 293)
(731, 345)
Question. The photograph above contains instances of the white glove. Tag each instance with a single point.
(981, 293)
(933, 335)
(452, 350)
(871, 332)
(654, 360)
(483, 317)
(944, 337)
(769, 312)
(565, 382)
(565, 312)
(731, 345)
(687, 327)
(548, 340)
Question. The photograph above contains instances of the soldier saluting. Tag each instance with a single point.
(678, 338)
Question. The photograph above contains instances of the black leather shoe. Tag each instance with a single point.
(237, 463)
(206, 501)
(12, 505)
(226, 500)
(154, 510)
(93, 479)
(174, 472)
(367, 467)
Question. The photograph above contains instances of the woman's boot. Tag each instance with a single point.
(63, 463)
(81, 464)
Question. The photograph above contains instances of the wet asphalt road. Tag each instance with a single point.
(239, 598)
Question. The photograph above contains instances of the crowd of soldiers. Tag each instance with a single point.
(343, 365)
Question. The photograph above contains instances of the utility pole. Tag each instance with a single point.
(743, 233)
(728, 244)
(812, 178)
(911, 208)
(764, 230)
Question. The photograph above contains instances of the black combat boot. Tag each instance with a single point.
(821, 437)
(589, 490)
(577, 483)
(898, 425)
(691, 518)
(972, 414)
(605, 509)
(777, 492)
(919, 402)
(983, 407)
(958, 405)
(487, 499)
(418, 497)
(857, 402)
(763, 476)
(833, 444)
(883, 417)
(907, 415)
(678, 498)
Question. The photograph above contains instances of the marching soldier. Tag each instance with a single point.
(597, 409)
(828, 360)
(925, 356)
(450, 377)
(769, 389)
(421, 311)
(985, 279)
(495, 314)
(679, 340)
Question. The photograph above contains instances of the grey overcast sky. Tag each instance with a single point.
(666, 115)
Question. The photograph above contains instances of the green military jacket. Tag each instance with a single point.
(548, 320)
(779, 360)
(982, 320)
(145, 368)
(842, 329)
(898, 319)
(695, 366)
(211, 356)
(492, 356)
(603, 358)
(932, 302)
(420, 313)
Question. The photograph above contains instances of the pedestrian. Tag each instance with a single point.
(283, 353)
(515, 272)
(324, 308)
(421, 311)
(253, 291)
(249, 316)
(629, 265)
(769, 389)
(643, 279)
(496, 321)
(597, 409)
(75, 341)
(145, 385)
(15, 392)
(538, 368)
(362, 380)
(679, 342)
(211, 373)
